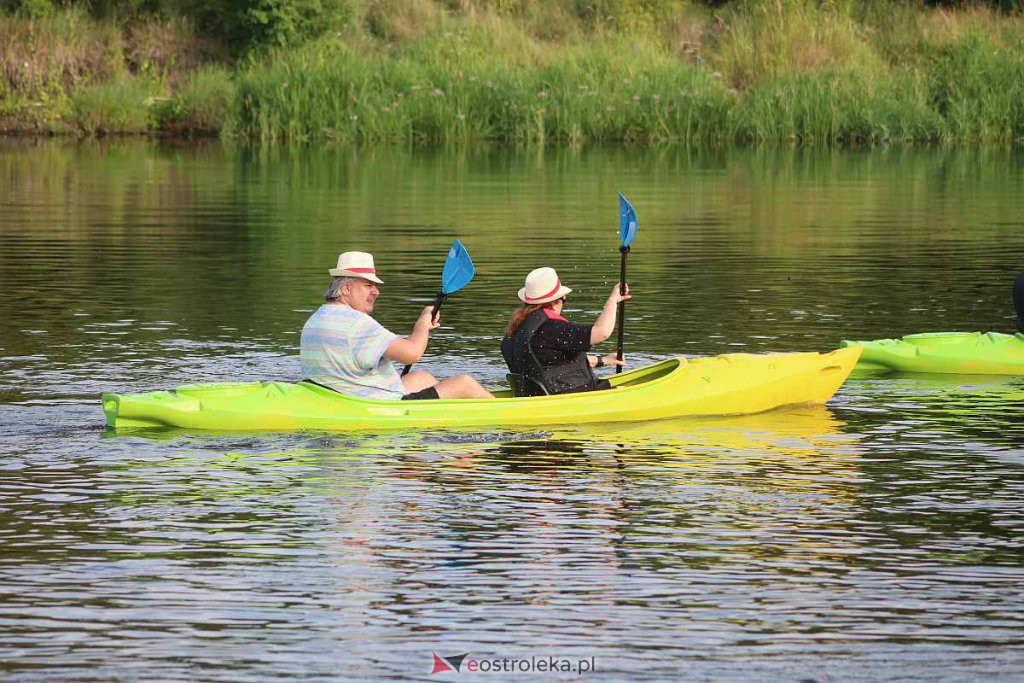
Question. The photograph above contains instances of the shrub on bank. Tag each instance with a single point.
(122, 105)
(203, 106)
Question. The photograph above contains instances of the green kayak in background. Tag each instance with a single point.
(960, 353)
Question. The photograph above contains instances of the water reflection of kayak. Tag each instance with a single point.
(961, 353)
(731, 384)
(807, 434)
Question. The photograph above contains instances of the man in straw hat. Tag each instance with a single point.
(542, 345)
(345, 349)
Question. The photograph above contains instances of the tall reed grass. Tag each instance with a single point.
(838, 106)
(601, 93)
(978, 88)
(761, 42)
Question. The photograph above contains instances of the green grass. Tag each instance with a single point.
(978, 88)
(44, 60)
(590, 94)
(839, 106)
(202, 106)
(762, 42)
(120, 106)
(560, 72)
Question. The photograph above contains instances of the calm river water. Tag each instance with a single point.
(879, 537)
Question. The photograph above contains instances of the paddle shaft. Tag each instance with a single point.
(622, 306)
(441, 296)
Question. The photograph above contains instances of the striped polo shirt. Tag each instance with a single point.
(343, 349)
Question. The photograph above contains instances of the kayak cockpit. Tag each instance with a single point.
(630, 378)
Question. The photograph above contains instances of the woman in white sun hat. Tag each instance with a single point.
(549, 350)
(344, 349)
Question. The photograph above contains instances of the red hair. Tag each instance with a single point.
(519, 315)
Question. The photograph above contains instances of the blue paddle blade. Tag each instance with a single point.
(627, 221)
(458, 269)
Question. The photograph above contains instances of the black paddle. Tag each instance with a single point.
(628, 225)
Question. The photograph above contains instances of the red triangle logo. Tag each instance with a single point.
(440, 665)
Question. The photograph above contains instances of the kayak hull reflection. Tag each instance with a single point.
(732, 384)
(961, 353)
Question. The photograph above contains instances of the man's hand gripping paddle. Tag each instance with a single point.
(458, 271)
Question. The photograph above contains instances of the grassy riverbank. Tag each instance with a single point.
(570, 73)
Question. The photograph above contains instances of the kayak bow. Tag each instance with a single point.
(732, 384)
(961, 353)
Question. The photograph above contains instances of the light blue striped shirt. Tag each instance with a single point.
(343, 349)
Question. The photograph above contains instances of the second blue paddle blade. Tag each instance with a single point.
(627, 221)
(458, 269)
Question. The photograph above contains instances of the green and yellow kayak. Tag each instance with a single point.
(961, 353)
(732, 384)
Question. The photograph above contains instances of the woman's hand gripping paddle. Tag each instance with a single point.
(458, 271)
(628, 225)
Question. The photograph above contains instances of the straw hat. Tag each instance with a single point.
(356, 264)
(542, 286)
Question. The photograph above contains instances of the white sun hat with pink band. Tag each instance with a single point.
(542, 285)
(356, 264)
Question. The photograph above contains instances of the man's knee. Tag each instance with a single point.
(417, 380)
(455, 386)
(468, 382)
(468, 387)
